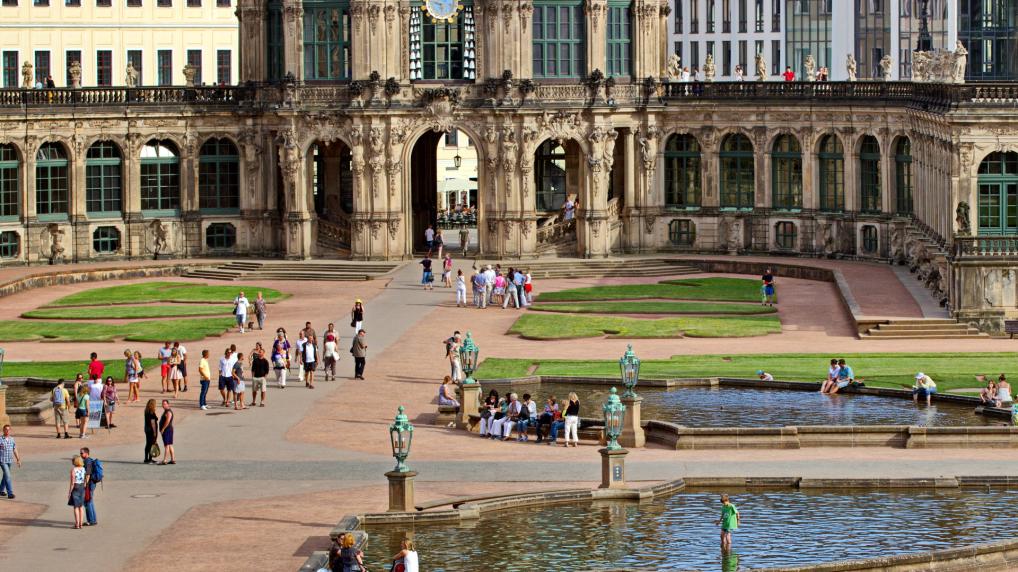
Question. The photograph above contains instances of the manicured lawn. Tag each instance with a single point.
(68, 369)
(188, 329)
(881, 370)
(552, 326)
(165, 292)
(654, 307)
(115, 312)
(715, 289)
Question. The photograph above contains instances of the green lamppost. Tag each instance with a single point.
(630, 366)
(614, 413)
(470, 388)
(613, 456)
(401, 479)
(468, 358)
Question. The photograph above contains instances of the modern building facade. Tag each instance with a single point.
(340, 157)
(989, 28)
(158, 38)
(733, 31)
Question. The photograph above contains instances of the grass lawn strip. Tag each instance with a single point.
(552, 326)
(712, 289)
(656, 307)
(165, 292)
(894, 370)
(188, 329)
(126, 312)
(68, 369)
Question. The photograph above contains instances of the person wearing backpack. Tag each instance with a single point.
(93, 476)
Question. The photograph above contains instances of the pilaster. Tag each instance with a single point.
(251, 18)
(596, 12)
(293, 38)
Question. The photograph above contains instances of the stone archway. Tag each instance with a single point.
(330, 196)
(444, 175)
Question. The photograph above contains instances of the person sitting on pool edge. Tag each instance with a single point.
(845, 378)
(923, 387)
(832, 376)
(988, 394)
(764, 376)
(1003, 398)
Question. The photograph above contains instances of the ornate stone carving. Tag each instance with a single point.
(595, 227)
(507, 17)
(390, 14)
(648, 223)
(811, 68)
(886, 66)
(647, 140)
(507, 229)
(26, 75)
(595, 9)
(377, 159)
(525, 227)
(850, 66)
(963, 219)
(961, 57)
(159, 238)
(509, 155)
(526, 12)
(289, 164)
(394, 226)
(376, 227)
(51, 243)
(560, 125)
(374, 11)
(75, 72)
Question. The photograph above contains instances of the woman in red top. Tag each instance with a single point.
(789, 74)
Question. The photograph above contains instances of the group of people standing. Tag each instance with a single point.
(492, 286)
(96, 396)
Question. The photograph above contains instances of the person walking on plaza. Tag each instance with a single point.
(572, 417)
(111, 399)
(477, 280)
(81, 412)
(439, 243)
(330, 353)
(447, 270)
(528, 287)
(260, 374)
(489, 284)
(61, 401)
(429, 239)
(205, 378)
(729, 522)
(131, 369)
(240, 304)
(182, 366)
(166, 429)
(281, 357)
(8, 456)
(226, 376)
(93, 476)
(260, 310)
(151, 430)
(164, 365)
(461, 290)
(76, 492)
(310, 358)
(464, 240)
(767, 289)
(357, 316)
(238, 382)
(511, 292)
(427, 278)
(359, 350)
(175, 375)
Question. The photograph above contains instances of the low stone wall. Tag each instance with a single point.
(40, 413)
(83, 274)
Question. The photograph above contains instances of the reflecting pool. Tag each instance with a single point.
(784, 527)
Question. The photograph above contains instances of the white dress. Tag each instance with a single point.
(410, 561)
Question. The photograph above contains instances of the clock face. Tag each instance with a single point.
(442, 9)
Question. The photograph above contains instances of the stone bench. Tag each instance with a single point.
(446, 414)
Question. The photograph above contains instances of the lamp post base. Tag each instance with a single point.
(613, 468)
(401, 491)
(471, 401)
(632, 435)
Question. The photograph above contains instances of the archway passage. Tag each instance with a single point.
(330, 181)
(443, 188)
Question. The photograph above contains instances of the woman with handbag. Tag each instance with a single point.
(357, 316)
(76, 494)
(281, 357)
(166, 428)
(151, 430)
(110, 399)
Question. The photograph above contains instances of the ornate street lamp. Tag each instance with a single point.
(401, 432)
(614, 414)
(468, 358)
(457, 161)
(630, 366)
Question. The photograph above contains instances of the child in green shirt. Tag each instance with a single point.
(729, 521)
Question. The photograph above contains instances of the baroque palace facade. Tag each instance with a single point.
(327, 148)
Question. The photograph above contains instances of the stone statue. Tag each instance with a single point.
(850, 67)
(961, 58)
(735, 236)
(761, 68)
(189, 72)
(52, 239)
(885, 67)
(898, 244)
(961, 216)
(674, 67)
(828, 231)
(708, 69)
(26, 75)
(160, 237)
(130, 76)
(920, 66)
(75, 71)
(811, 68)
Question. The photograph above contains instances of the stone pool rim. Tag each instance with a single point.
(39, 413)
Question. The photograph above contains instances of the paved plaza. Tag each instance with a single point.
(261, 489)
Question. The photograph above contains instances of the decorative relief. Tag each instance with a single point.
(509, 156)
(561, 125)
(648, 223)
(595, 9)
(377, 160)
(526, 12)
(507, 229)
(394, 226)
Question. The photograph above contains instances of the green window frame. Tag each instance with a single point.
(869, 175)
(619, 53)
(786, 173)
(682, 232)
(218, 176)
(160, 177)
(442, 48)
(683, 161)
(220, 236)
(786, 235)
(274, 41)
(10, 244)
(106, 239)
(870, 241)
(10, 170)
(737, 172)
(103, 188)
(903, 176)
(326, 41)
(559, 44)
(550, 176)
(998, 194)
(832, 174)
(51, 183)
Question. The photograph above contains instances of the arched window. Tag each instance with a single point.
(682, 171)
(160, 176)
(106, 239)
(220, 236)
(903, 176)
(869, 175)
(440, 49)
(737, 185)
(102, 179)
(998, 194)
(326, 40)
(559, 44)
(218, 175)
(51, 187)
(10, 168)
(832, 174)
(550, 174)
(786, 173)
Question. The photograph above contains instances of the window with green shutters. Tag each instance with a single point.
(218, 176)
(903, 176)
(619, 52)
(442, 49)
(326, 41)
(559, 34)
(51, 185)
(160, 177)
(103, 179)
(10, 168)
(737, 174)
(10, 244)
(682, 172)
(786, 176)
(869, 175)
(106, 239)
(998, 194)
(832, 174)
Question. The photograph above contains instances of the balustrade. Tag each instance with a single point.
(554, 232)
(984, 246)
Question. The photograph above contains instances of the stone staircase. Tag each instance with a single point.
(295, 270)
(921, 328)
(600, 268)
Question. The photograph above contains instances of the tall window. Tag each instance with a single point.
(134, 57)
(103, 68)
(326, 40)
(619, 40)
(194, 60)
(10, 69)
(550, 174)
(224, 67)
(710, 16)
(164, 63)
(42, 69)
(274, 39)
(759, 19)
(160, 176)
(775, 57)
(726, 58)
(998, 194)
(989, 30)
(743, 28)
(832, 174)
(9, 171)
(51, 187)
(218, 175)
(102, 178)
(71, 56)
(869, 175)
(559, 34)
(785, 235)
(441, 49)
(682, 172)
(903, 176)
(737, 183)
(786, 173)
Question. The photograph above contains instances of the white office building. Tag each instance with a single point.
(734, 31)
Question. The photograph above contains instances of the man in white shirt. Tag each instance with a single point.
(226, 376)
(489, 284)
(240, 304)
(182, 366)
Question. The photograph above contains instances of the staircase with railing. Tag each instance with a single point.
(557, 238)
(333, 237)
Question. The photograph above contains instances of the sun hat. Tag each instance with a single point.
(359, 301)
(759, 372)
(919, 375)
